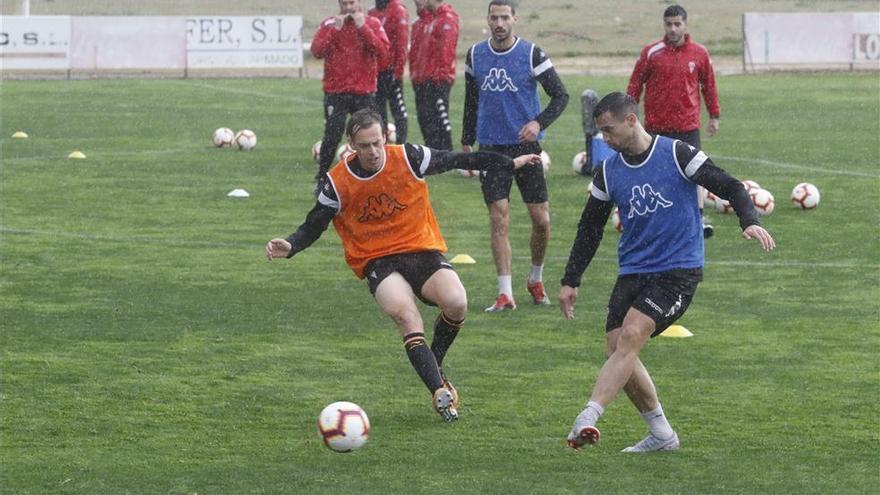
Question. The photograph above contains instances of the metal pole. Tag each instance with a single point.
(26, 7)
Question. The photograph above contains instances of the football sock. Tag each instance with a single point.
(505, 285)
(423, 360)
(536, 274)
(658, 423)
(445, 331)
(592, 412)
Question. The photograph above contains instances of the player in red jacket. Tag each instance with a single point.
(392, 14)
(674, 72)
(352, 44)
(432, 69)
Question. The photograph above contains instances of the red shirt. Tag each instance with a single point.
(432, 50)
(674, 77)
(351, 55)
(395, 20)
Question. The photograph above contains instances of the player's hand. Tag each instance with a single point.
(339, 21)
(712, 127)
(567, 297)
(523, 160)
(277, 248)
(359, 18)
(467, 148)
(529, 132)
(762, 236)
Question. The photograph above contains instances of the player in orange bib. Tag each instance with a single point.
(378, 202)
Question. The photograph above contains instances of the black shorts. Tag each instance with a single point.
(690, 137)
(663, 296)
(529, 179)
(416, 269)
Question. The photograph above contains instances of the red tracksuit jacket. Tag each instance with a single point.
(673, 78)
(351, 55)
(432, 49)
(395, 20)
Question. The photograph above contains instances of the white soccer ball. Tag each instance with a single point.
(763, 201)
(391, 135)
(723, 205)
(469, 173)
(245, 139)
(805, 196)
(615, 220)
(579, 162)
(751, 186)
(545, 161)
(344, 426)
(223, 137)
(316, 151)
(344, 151)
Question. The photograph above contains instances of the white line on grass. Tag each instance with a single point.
(249, 92)
(830, 171)
(560, 259)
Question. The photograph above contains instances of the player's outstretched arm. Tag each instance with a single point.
(761, 235)
(567, 297)
(277, 248)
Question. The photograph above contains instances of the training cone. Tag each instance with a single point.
(77, 155)
(676, 331)
(463, 259)
(20, 135)
(238, 193)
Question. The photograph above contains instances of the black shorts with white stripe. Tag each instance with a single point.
(416, 268)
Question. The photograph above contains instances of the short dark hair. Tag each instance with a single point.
(675, 11)
(619, 104)
(363, 118)
(504, 3)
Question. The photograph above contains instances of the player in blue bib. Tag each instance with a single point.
(653, 180)
(503, 113)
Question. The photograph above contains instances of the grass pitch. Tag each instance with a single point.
(148, 347)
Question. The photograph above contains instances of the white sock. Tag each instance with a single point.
(505, 286)
(592, 412)
(536, 274)
(658, 423)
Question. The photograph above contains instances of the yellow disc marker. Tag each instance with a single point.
(77, 155)
(20, 135)
(463, 259)
(676, 331)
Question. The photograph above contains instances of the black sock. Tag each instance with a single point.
(423, 360)
(445, 331)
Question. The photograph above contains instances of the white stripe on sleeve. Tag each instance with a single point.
(695, 164)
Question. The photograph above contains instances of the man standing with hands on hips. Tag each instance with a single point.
(674, 72)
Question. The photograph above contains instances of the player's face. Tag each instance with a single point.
(501, 21)
(676, 28)
(349, 6)
(617, 132)
(369, 144)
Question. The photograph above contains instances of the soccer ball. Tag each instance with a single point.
(316, 151)
(344, 426)
(391, 133)
(469, 173)
(579, 162)
(245, 139)
(545, 161)
(344, 151)
(723, 205)
(615, 220)
(763, 201)
(751, 186)
(223, 137)
(805, 196)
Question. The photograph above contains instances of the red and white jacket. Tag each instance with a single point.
(432, 47)
(673, 78)
(395, 21)
(351, 55)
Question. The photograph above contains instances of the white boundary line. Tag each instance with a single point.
(773, 163)
(561, 260)
(214, 87)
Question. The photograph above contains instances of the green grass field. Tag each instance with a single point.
(148, 347)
